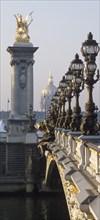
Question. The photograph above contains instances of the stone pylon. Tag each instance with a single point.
(22, 60)
(18, 148)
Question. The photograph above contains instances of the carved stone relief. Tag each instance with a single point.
(74, 209)
(22, 76)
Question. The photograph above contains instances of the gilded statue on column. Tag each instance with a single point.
(22, 35)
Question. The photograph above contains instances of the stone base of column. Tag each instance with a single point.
(31, 162)
(17, 129)
(19, 163)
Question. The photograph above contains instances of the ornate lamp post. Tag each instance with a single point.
(56, 106)
(53, 112)
(90, 50)
(57, 109)
(59, 106)
(68, 90)
(62, 85)
(52, 116)
(77, 67)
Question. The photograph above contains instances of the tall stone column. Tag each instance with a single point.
(22, 60)
(22, 77)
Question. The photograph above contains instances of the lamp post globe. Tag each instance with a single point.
(90, 48)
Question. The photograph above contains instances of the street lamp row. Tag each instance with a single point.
(72, 84)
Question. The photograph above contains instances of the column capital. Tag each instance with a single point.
(13, 62)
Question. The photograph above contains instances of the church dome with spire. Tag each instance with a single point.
(47, 94)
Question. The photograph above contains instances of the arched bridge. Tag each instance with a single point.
(73, 163)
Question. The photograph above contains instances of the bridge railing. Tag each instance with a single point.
(86, 153)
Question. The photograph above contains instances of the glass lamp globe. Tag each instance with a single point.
(68, 75)
(76, 64)
(78, 81)
(63, 82)
(90, 46)
(59, 90)
(68, 88)
(91, 67)
(56, 96)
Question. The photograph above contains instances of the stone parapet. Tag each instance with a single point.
(78, 160)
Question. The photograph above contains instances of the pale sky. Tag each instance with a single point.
(58, 29)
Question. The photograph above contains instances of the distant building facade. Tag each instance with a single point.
(47, 94)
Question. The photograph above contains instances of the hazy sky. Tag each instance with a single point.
(58, 29)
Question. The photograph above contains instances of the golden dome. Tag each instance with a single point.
(47, 94)
(50, 88)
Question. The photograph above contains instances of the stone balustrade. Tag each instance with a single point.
(85, 150)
